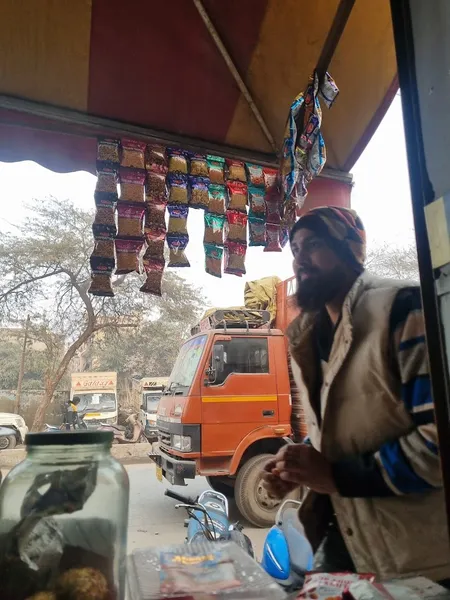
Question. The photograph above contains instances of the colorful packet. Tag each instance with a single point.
(218, 199)
(155, 239)
(273, 208)
(130, 220)
(323, 586)
(177, 245)
(108, 151)
(155, 214)
(214, 225)
(104, 232)
(156, 159)
(154, 269)
(235, 258)
(102, 258)
(132, 186)
(133, 154)
(177, 161)
(199, 197)
(105, 215)
(155, 186)
(236, 170)
(257, 202)
(213, 259)
(270, 178)
(106, 181)
(272, 238)
(105, 199)
(127, 252)
(101, 285)
(178, 190)
(257, 232)
(216, 168)
(284, 236)
(236, 229)
(255, 175)
(238, 195)
(178, 219)
(199, 166)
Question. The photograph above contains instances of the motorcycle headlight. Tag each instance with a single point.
(181, 442)
(110, 421)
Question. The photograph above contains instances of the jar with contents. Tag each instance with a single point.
(63, 520)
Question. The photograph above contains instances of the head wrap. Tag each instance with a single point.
(341, 228)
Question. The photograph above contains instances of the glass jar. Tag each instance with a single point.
(64, 519)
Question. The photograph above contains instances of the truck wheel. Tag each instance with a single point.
(8, 442)
(219, 484)
(252, 500)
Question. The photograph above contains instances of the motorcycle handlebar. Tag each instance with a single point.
(179, 497)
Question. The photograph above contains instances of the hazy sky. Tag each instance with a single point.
(381, 196)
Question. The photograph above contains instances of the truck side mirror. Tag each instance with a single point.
(211, 374)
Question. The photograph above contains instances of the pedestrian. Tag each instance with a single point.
(71, 417)
(375, 502)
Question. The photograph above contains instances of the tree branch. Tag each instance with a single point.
(4, 295)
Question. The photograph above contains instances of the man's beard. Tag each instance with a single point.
(314, 292)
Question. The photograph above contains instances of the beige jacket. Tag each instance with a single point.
(361, 408)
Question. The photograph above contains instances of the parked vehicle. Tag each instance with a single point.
(17, 430)
(208, 519)
(152, 389)
(98, 397)
(132, 433)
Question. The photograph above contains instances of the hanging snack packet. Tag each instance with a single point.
(155, 186)
(273, 208)
(216, 168)
(155, 214)
(106, 181)
(108, 151)
(101, 285)
(237, 192)
(177, 245)
(104, 232)
(155, 239)
(257, 202)
(129, 220)
(127, 252)
(214, 225)
(102, 258)
(255, 175)
(154, 269)
(177, 161)
(155, 159)
(178, 190)
(199, 197)
(236, 229)
(272, 238)
(235, 258)
(257, 232)
(133, 154)
(213, 259)
(199, 166)
(284, 236)
(178, 219)
(236, 170)
(218, 199)
(132, 186)
(105, 215)
(270, 178)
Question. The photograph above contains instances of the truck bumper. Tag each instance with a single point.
(151, 433)
(175, 470)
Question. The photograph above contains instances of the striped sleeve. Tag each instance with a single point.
(411, 463)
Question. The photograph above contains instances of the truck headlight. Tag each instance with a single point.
(20, 422)
(181, 442)
(111, 421)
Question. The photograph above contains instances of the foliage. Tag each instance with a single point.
(392, 262)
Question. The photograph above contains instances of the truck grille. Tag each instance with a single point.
(163, 435)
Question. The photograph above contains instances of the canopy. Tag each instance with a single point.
(163, 69)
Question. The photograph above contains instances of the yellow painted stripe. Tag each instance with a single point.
(239, 399)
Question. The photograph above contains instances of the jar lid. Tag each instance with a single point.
(68, 438)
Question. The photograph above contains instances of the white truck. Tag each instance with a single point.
(152, 389)
(98, 397)
(17, 426)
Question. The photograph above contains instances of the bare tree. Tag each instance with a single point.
(393, 262)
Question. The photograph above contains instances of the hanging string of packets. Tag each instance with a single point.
(138, 185)
(304, 151)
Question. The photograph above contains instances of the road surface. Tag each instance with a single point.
(154, 520)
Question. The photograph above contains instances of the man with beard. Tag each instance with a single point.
(375, 501)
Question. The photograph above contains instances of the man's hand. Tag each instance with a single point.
(276, 487)
(298, 464)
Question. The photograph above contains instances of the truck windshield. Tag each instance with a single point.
(97, 402)
(186, 365)
(151, 401)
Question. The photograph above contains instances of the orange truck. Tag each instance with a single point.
(227, 406)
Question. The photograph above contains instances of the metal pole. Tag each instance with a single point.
(22, 367)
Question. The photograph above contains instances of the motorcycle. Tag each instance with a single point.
(287, 553)
(132, 433)
(208, 519)
(54, 429)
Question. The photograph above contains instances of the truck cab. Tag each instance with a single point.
(98, 397)
(152, 389)
(226, 409)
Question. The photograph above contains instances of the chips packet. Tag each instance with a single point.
(214, 225)
(199, 196)
(155, 186)
(156, 159)
(257, 232)
(216, 168)
(326, 586)
(155, 214)
(366, 590)
(132, 186)
(154, 269)
(178, 215)
(101, 285)
(127, 253)
(218, 199)
(177, 245)
(155, 239)
(108, 151)
(273, 208)
(102, 259)
(105, 215)
(236, 228)
(235, 258)
(129, 217)
(236, 170)
(273, 233)
(106, 181)
(199, 166)
(255, 175)
(133, 154)
(256, 198)
(270, 178)
(237, 192)
(178, 190)
(213, 259)
(177, 161)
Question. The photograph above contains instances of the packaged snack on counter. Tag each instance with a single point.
(255, 175)
(218, 199)
(273, 208)
(214, 225)
(101, 285)
(154, 269)
(108, 151)
(237, 192)
(270, 178)
(216, 167)
(257, 202)
(326, 586)
(273, 232)
(236, 170)
(155, 214)
(178, 189)
(365, 590)
(133, 154)
(177, 245)
(177, 161)
(199, 196)
(105, 215)
(257, 232)
(155, 239)
(132, 186)
(235, 258)
(236, 229)
(127, 252)
(155, 186)
(178, 215)
(156, 159)
(199, 166)
(213, 259)
(130, 218)
(106, 181)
